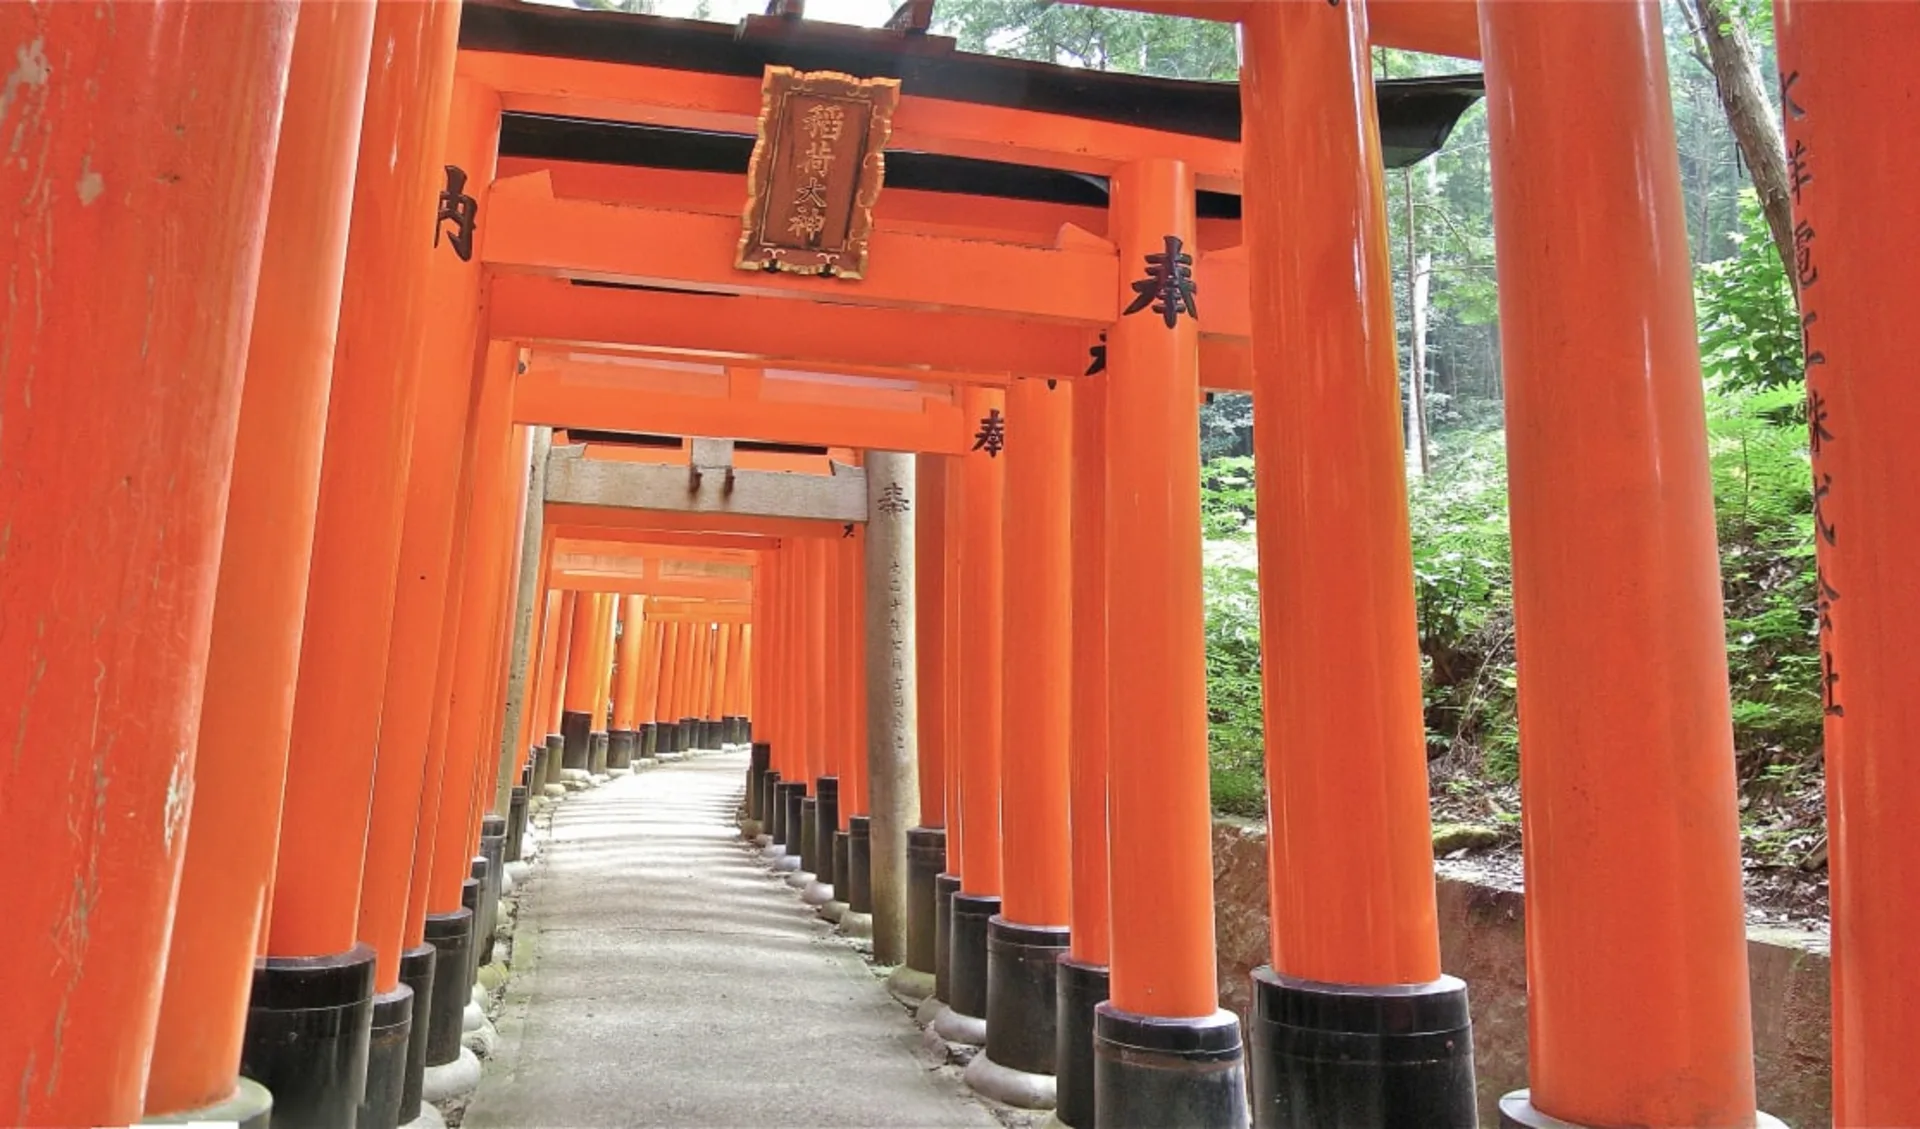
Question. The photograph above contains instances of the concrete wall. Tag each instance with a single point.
(1483, 941)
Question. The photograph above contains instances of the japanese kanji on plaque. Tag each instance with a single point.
(816, 172)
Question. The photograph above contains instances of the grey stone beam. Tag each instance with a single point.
(710, 484)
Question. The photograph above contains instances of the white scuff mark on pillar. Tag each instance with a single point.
(179, 799)
(30, 68)
(91, 184)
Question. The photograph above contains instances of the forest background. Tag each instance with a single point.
(1735, 182)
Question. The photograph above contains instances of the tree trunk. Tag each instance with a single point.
(1421, 264)
(1736, 74)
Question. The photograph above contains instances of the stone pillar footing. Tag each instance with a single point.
(250, 1106)
(621, 744)
(451, 935)
(387, 1059)
(1018, 1088)
(1078, 989)
(416, 972)
(309, 1022)
(1022, 998)
(1150, 1070)
(576, 727)
(967, 963)
(945, 886)
(1517, 1112)
(1361, 1055)
(597, 752)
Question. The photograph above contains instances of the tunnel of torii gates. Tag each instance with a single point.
(392, 438)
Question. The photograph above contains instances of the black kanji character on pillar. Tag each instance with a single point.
(992, 436)
(893, 500)
(1169, 287)
(1817, 432)
(459, 207)
(847, 530)
(1099, 355)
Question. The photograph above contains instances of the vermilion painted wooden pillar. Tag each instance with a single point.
(240, 764)
(930, 619)
(1637, 991)
(979, 502)
(314, 932)
(670, 634)
(948, 882)
(443, 860)
(1355, 938)
(1031, 931)
(769, 673)
(1162, 1041)
(1845, 69)
(448, 366)
(138, 189)
(853, 620)
(626, 685)
(583, 681)
(605, 605)
(562, 658)
(540, 705)
(723, 659)
(1083, 971)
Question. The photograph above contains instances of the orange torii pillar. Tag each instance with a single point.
(811, 692)
(663, 729)
(836, 833)
(979, 503)
(314, 1006)
(539, 705)
(1030, 934)
(888, 809)
(445, 893)
(853, 877)
(240, 764)
(447, 380)
(1352, 1023)
(1164, 1050)
(652, 636)
(926, 840)
(121, 386)
(947, 883)
(830, 789)
(686, 671)
(765, 763)
(778, 720)
(583, 681)
(1843, 66)
(556, 697)
(760, 750)
(1082, 976)
(597, 740)
(624, 738)
(1637, 990)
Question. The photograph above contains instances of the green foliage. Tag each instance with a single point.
(1749, 324)
(1234, 731)
(1096, 38)
(1226, 497)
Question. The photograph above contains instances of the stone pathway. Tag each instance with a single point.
(662, 978)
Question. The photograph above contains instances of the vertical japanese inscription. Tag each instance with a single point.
(459, 209)
(1794, 99)
(816, 171)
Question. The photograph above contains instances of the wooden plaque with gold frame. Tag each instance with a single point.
(816, 171)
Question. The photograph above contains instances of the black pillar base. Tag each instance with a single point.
(773, 807)
(620, 746)
(826, 824)
(796, 830)
(1078, 989)
(387, 1059)
(1361, 1055)
(474, 897)
(597, 752)
(1150, 1071)
(451, 935)
(859, 887)
(945, 886)
(967, 963)
(536, 769)
(926, 858)
(1022, 998)
(575, 728)
(556, 759)
(757, 768)
(416, 972)
(516, 823)
(649, 740)
(841, 878)
(309, 1026)
(667, 737)
(683, 735)
(810, 835)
